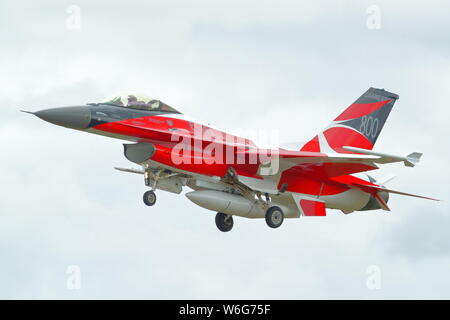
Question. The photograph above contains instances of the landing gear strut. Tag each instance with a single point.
(149, 198)
(224, 222)
(274, 217)
(150, 180)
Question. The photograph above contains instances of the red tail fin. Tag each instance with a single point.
(358, 126)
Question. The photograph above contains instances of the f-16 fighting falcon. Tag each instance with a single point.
(231, 175)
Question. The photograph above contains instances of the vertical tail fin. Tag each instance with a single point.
(358, 126)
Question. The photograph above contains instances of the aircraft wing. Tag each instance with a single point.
(370, 157)
(325, 165)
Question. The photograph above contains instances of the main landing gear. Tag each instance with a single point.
(274, 217)
(149, 198)
(224, 222)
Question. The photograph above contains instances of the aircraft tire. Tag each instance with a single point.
(149, 198)
(224, 222)
(274, 217)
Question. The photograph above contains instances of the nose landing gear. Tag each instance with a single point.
(150, 180)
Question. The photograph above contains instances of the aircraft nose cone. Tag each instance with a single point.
(77, 117)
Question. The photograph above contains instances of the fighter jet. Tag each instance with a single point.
(231, 175)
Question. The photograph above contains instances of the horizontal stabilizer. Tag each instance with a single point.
(408, 194)
(374, 189)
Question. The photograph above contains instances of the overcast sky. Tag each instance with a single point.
(291, 66)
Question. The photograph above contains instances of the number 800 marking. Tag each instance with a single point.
(369, 126)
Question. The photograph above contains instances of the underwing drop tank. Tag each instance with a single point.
(227, 203)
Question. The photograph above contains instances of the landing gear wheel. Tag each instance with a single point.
(274, 217)
(224, 222)
(149, 198)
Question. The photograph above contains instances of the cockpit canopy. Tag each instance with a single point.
(136, 101)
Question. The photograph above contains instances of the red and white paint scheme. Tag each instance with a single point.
(231, 175)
